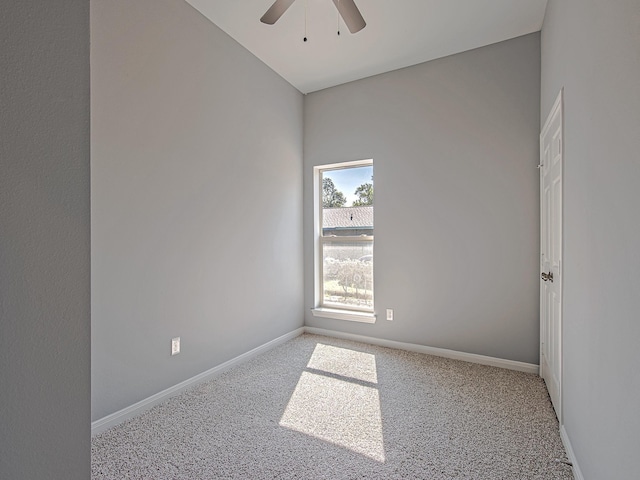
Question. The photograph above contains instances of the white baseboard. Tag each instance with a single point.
(137, 408)
(570, 455)
(439, 352)
(131, 411)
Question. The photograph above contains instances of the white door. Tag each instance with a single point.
(551, 146)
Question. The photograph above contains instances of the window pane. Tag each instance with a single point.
(348, 274)
(347, 201)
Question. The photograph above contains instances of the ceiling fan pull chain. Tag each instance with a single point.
(306, 5)
(338, 18)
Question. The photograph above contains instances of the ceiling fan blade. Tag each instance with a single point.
(275, 11)
(350, 14)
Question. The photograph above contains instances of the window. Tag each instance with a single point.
(344, 240)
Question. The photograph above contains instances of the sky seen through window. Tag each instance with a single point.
(347, 180)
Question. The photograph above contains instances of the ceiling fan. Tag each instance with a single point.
(347, 9)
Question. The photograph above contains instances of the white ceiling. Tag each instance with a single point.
(399, 33)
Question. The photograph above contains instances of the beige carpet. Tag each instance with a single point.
(322, 408)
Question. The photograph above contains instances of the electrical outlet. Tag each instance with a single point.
(390, 314)
(175, 346)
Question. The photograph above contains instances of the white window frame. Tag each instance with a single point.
(341, 312)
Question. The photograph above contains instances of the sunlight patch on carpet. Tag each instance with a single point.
(344, 362)
(338, 401)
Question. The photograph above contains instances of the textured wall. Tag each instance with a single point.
(592, 49)
(44, 240)
(196, 199)
(455, 149)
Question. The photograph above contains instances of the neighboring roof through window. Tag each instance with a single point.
(347, 217)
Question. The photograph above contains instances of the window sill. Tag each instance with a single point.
(352, 316)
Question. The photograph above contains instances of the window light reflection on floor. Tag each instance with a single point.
(337, 400)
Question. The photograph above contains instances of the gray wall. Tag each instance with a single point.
(592, 49)
(455, 149)
(196, 199)
(44, 240)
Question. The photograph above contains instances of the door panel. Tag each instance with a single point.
(551, 157)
